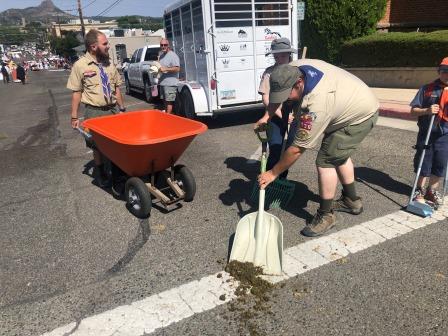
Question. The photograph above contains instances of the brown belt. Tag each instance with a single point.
(102, 108)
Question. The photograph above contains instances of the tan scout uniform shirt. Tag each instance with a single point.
(85, 77)
(338, 100)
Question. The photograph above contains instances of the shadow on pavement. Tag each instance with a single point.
(133, 247)
(369, 176)
(240, 190)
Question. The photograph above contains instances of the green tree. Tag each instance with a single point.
(12, 35)
(63, 46)
(134, 21)
(329, 23)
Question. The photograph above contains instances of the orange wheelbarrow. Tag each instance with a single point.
(143, 147)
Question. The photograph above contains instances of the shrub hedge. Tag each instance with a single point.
(396, 50)
(329, 23)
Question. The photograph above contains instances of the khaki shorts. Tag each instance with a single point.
(168, 93)
(339, 145)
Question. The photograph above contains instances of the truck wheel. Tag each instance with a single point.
(187, 104)
(127, 85)
(147, 91)
(184, 177)
(138, 198)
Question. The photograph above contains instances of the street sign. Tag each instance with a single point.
(300, 10)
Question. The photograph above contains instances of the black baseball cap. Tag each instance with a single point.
(281, 81)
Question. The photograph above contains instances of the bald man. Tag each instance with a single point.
(170, 67)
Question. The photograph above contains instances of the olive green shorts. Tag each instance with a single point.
(92, 112)
(339, 145)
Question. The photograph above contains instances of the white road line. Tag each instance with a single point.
(174, 305)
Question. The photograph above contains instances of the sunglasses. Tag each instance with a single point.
(164, 45)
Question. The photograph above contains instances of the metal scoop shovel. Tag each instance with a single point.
(418, 208)
(259, 235)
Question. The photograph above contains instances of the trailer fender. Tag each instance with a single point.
(197, 94)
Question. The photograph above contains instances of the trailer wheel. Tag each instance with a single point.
(138, 198)
(187, 104)
(147, 91)
(127, 85)
(184, 177)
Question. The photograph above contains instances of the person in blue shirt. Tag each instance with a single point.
(424, 105)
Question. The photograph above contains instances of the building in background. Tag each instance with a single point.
(123, 42)
(58, 29)
(413, 15)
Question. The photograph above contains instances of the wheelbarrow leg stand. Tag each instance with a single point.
(159, 194)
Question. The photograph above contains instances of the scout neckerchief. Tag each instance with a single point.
(107, 91)
(443, 112)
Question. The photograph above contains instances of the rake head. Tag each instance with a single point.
(278, 194)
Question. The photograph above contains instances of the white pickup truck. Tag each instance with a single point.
(137, 75)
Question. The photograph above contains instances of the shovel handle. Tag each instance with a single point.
(263, 132)
(85, 134)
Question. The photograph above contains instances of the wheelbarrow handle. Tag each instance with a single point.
(85, 134)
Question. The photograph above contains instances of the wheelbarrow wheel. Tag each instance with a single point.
(185, 179)
(138, 198)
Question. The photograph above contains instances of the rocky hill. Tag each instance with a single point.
(46, 12)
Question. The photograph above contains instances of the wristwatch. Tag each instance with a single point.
(122, 109)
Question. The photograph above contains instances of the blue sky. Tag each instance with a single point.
(94, 7)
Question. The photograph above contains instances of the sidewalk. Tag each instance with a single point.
(394, 103)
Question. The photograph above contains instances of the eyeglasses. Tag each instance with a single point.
(164, 45)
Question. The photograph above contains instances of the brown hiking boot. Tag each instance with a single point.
(346, 204)
(321, 223)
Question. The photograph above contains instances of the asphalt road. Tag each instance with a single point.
(70, 250)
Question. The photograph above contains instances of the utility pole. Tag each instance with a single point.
(83, 29)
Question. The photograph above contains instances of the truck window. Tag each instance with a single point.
(134, 56)
(152, 54)
(139, 55)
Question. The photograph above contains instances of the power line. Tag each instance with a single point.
(109, 8)
(93, 1)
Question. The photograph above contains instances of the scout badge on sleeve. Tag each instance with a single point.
(306, 120)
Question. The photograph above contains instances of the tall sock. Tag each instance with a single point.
(325, 205)
(350, 191)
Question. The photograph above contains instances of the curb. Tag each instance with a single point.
(396, 113)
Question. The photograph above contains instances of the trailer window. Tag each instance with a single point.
(168, 27)
(186, 19)
(197, 16)
(238, 13)
(271, 12)
(177, 32)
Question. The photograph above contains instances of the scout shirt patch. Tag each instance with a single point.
(306, 123)
(89, 73)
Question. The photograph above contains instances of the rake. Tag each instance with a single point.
(280, 191)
